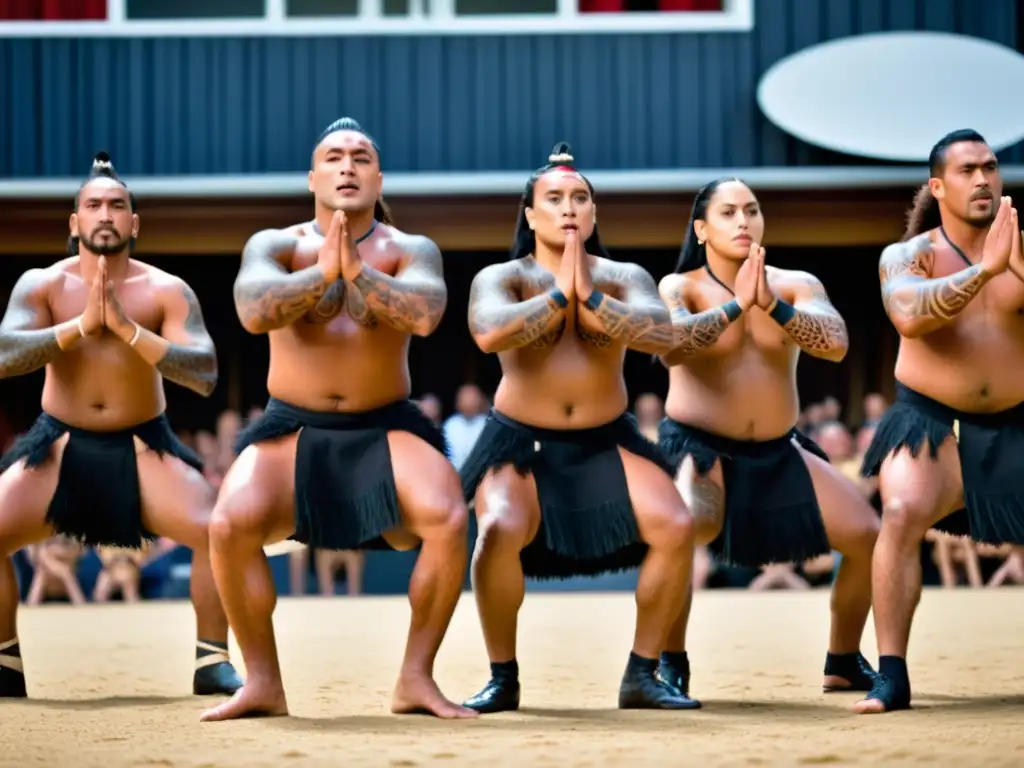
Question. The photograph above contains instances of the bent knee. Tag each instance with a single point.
(239, 516)
(672, 529)
(449, 519)
(907, 517)
(502, 529)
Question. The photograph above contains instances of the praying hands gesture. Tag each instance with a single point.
(104, 310)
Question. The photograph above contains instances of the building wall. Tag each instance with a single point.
(252, 105)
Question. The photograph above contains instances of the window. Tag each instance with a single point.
(503, 7)
(194, 9)
(313, 18)
(52, 10)
(648, 6)
(305, 8)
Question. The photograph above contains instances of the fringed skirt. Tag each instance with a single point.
(771, 510)
(345, 495)
(97, 501)
(991, 447)
(588, 526)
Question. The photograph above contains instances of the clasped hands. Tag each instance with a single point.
(104, 310)
(338, 257)
(752, 289)
(574, 280)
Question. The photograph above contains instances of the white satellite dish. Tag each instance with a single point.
(892, 95)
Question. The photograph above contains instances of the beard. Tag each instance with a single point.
(108, 246)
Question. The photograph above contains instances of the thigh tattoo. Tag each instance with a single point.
(707, 501)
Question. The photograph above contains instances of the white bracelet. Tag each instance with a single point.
(135, 338)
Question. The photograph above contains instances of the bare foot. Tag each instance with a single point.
(868, 707)
(251, 700)
(420, 695)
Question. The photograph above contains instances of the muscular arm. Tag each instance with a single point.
(916, 303)
(691, 332)
(413, 301)
(27, 340)
(267, 295)
(811, 320)
(498, 321)
(641, 322)
(183, 351)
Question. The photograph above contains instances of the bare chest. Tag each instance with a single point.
(137, 297)
(328, 316)
(570, 342)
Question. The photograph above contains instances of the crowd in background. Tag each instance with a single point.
(59, 569)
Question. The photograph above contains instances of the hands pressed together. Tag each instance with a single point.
(338, 256)
(1003, 240)
(104, 310)
(573, 278)
(752, 288)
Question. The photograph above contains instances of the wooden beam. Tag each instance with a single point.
(218, 226)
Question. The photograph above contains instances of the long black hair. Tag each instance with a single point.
(693, 254)
(524, 241)
(381, 210)
(924, 214)
(102, 168)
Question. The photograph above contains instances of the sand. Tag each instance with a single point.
(110, 686)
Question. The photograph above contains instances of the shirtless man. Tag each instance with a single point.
(101, 464)
(565, 485)
(760, 492)
(341, 459)
(952, 288)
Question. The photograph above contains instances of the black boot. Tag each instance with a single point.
(215, 675)
(853, 668)
(641, 688)
(12, 674)
(501, 694)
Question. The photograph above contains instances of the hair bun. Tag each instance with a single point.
(102, 162)
(561, 154)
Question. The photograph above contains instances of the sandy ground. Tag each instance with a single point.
(110, 685)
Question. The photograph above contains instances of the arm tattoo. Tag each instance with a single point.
(267, 296)
(25, 347)
(330, 304)
(413, 302)
(642, 322)
(815, 325)
(23, 352)
(910, 297)
(693, 332)
(499, 322)
(193, 366)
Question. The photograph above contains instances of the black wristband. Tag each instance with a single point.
(595, 299)
(782, 313)
(559, 298)
(732, 310)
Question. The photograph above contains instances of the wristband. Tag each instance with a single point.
(782, 313)
(559, 298)
(732, 310)
(135, 338)
(594, 300)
